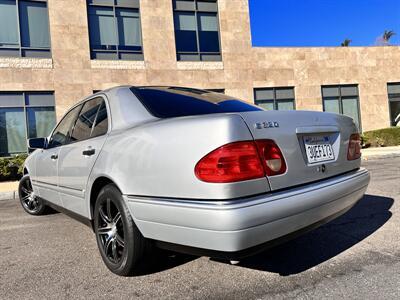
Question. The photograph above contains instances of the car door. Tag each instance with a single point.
(46, 178)
(77, 158)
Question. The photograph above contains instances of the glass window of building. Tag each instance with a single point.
(281, 98)
(342, 99)
(197, 35)
(24, 28)
(114, 29)
(394, 103)
(24, 115)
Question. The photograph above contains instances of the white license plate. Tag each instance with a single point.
(318, 149)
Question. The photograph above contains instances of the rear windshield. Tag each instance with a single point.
(171, 102)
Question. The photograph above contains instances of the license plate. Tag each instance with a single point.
(318, 149)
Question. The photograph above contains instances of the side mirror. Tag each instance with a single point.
(37, 143)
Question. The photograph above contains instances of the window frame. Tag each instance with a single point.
(390, 100)
(275, 100)
(82, 103)
(196, 13)
(22, 49)
(340, 99)
(25, 108)
(115, 51)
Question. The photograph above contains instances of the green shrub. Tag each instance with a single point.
(382, 137)
(11, 168)
(365, 141)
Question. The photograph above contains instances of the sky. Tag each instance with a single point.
(308, 23)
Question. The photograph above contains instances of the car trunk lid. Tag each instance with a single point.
(314, 144)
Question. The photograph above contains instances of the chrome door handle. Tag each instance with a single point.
(89, 152)
(54, 156)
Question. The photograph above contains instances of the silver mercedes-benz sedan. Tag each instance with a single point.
(192, 171)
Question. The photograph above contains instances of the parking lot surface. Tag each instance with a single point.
(356, 256)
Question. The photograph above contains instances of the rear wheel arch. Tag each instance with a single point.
(96, 187)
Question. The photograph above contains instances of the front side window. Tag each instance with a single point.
(63, 131)
(24, 28)
(24, 115)
(275, 98)
(394, 103)
(197, 30)
(342, 99)
(115, 30)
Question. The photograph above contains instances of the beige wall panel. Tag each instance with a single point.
(72, 75)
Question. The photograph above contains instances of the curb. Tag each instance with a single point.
(380, 156)
(8, 195)
(384, 152)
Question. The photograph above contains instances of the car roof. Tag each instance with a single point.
(126, 113)
(194, 92)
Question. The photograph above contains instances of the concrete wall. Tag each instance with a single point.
(72, 75)
(309, 68)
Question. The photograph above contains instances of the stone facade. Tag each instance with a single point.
(72, 75)
(308, 68)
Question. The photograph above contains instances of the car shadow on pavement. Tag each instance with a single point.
(324, 243)
(163, 260)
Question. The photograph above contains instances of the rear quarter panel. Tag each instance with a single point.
(158, 159)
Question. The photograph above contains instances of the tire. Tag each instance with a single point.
(32, 204)
(121, 245)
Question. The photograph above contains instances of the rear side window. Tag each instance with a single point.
(85, 122)
(101, 126)
(169, 102)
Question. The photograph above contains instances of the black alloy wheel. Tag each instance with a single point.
(30, 202)
(110, 231)
(121, 245)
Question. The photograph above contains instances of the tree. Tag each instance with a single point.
(384, 40)
(346, 43)
(387, 35)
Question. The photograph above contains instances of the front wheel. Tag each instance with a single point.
(29, 201)
(121, 245)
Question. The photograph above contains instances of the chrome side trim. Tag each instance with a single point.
(71, 191)
(60, 188)
(45, 185)
(70, 188)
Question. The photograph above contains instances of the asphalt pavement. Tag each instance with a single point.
(355, 257)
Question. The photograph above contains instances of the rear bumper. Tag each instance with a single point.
(235, 225)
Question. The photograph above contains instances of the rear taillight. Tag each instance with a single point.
(241, 161)
(272, 158)
(354, 151)
(230, 163)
